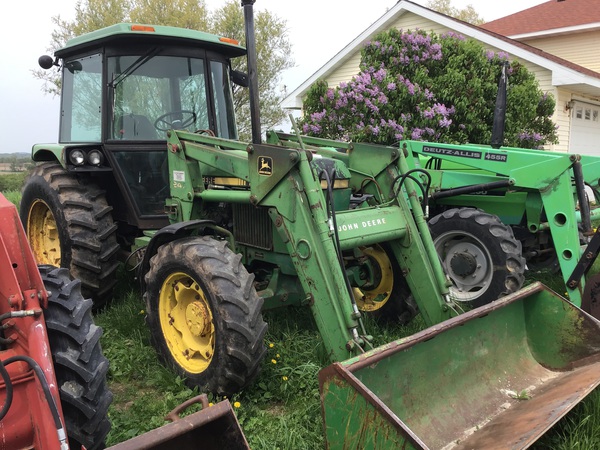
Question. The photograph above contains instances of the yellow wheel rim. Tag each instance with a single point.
(187, 322)
(42, 232)
(376, 297)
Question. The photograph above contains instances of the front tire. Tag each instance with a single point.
(204, 314)
(79, 364)
(69, 224)
(479, 253)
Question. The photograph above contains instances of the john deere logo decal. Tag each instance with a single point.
(265, 165)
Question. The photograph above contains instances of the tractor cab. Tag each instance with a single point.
(123, 88)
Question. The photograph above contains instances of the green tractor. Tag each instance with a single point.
(106, 182)
(493, 212)
(148, 169)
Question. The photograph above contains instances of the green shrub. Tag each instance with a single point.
(12, 181)
(424, 86)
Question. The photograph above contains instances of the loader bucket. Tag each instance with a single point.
(497, 377)
(212, 428)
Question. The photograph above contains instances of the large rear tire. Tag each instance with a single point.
(204, 314)
(79, 364)
(479, 253)
(69, 224)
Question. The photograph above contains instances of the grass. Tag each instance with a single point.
(11, 181)
(13, 196)
(281, 410)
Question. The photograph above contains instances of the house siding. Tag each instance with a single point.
(562, 119)
(408, 21)
(580, 48)
(411, 21)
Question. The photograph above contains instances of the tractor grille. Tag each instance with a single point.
(252, 226)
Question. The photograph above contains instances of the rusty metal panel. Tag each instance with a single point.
(213, 428)
(496, 377)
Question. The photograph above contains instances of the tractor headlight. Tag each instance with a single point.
(95, 158)
(77, 157)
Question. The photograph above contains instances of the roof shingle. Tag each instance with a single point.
(550, 15)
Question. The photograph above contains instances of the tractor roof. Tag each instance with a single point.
(147, 34)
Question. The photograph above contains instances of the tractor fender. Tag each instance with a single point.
(49, 152)
(168, 234)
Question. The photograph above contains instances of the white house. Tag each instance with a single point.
(570, 75)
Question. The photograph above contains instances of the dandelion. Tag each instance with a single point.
(236, 404)
(277, 355)
(211, 404)
(271, 345)
(284, 378)
(274, 361)
(142, 311)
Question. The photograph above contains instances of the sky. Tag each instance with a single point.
(318, 29)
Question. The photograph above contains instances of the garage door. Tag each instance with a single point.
(585, 129)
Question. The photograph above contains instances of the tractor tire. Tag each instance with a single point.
(79, 364)
(387, 298)
(69, 224)
(204, 314)
(479, 253)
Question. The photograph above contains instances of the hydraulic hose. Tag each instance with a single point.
(584, 206)
(45, 388)
(9, 390)
(330, 178)
(424, 189)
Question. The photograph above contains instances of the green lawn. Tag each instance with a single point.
(281, 410)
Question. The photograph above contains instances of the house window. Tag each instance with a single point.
(579, 113)
(588, 114)
(595, 115)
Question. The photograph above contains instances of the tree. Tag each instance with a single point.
(415, 85)
(273, 46)
(467, 14)
(273, 52)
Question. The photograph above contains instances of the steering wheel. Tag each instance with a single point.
(162, 124)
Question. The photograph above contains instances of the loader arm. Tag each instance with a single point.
(533, 188)
(291, 184)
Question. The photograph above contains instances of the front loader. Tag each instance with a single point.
(53, 388)
(541, 195)
(250, 226)
(53, 391)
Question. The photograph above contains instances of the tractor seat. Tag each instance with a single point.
(136, 127)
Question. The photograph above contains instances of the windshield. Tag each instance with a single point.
(152, 94)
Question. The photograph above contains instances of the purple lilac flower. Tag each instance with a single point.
(318, 116)
(445, 122)
(416, 134)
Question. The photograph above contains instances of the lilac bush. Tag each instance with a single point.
(423, 86)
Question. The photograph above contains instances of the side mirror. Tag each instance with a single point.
(239, 78)
(45, 62)
(74, 66)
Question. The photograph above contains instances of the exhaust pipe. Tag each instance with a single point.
(500, 111)
(252, 72)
